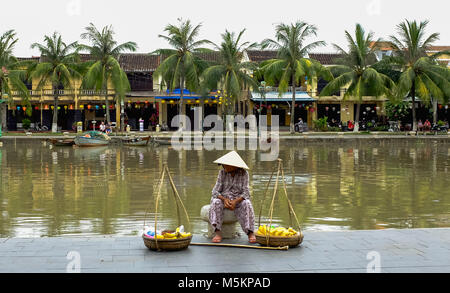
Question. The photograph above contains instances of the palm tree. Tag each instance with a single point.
(12, 74)
(231, 75)
(291, 63)
(181, 66)
(60, 65)
(104, 66)
(356, 70)
(421, 75)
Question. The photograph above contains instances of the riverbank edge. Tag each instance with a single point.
(303, 136)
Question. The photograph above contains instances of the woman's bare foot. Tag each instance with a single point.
(251, 237)
(218, 237)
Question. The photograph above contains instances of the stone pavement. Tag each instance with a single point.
(402, 250)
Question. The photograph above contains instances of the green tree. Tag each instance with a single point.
(421, 75)
(356, 71)
(292, 63)
(60, 65)
(181, 67)
(104, 67)
(12, 74)
(231, 75)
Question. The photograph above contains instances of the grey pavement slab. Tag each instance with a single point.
(406, 250)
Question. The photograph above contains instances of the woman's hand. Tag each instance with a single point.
(228, 204)
(234, 202)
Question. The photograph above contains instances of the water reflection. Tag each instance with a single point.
(333, 186)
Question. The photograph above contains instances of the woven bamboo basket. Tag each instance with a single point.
(167, 244)
(279, 241)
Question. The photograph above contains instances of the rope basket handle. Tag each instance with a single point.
(177, 198)
(290, 208)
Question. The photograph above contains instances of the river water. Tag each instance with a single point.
(333, 185)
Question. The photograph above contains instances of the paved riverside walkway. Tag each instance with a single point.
(402, 250)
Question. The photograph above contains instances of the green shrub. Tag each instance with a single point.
(441, 123)
(26, 123)
(321, 124)
(381, 128)
(334, 128)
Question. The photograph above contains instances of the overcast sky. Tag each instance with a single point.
(141, 21)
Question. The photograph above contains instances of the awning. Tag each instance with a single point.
(174, 95)
(184, 97)
(285, 97)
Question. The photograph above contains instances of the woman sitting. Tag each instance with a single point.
(427, 125)
(350, 125)
(232, 192)
(420, 125)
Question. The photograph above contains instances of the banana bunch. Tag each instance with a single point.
(176, 235)
(279, 231)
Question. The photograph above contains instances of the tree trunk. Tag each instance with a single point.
(105, 90)
(3, 111)
(3, 115)
(413, 97)
(122, 116)
(358, 111)
(292, 128)
(55, 110)
(435, 113)
(181, 111)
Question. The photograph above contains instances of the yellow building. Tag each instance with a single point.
(153, 103)
(442, 59)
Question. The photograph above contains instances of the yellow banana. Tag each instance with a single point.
(169, 235)
(262, 230)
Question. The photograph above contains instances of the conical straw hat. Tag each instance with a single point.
(232, 159)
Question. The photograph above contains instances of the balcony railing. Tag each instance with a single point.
(289, 89)
(61, 93)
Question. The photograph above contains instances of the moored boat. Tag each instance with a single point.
(92, 139)
(136, 141)
(162, 141)
(61, 141)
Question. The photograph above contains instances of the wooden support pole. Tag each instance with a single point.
(241, 246)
